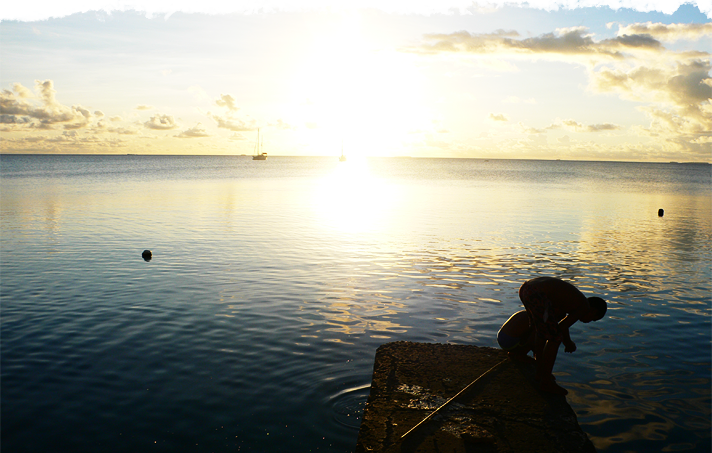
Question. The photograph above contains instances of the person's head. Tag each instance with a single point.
(597, 311)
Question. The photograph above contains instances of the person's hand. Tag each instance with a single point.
(569, 346)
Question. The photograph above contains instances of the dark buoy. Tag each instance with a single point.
(147, 255)
(661, 212)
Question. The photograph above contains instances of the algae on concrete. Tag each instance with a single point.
(503, 412)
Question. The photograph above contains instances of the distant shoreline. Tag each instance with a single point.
(367, 157)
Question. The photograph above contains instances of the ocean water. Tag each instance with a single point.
(255, 325)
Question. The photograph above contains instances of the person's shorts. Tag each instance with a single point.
(507, 342)
(541, 312)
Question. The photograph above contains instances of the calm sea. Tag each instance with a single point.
(272, 283)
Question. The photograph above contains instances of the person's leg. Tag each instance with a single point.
(548, 357)
(545, 366)
(539, 343)
(520, 354)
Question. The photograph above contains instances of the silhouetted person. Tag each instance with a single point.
(554, 306)
(516, 336)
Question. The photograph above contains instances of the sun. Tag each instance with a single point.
(349, 90)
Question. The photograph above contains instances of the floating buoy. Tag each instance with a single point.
(147, 255)
(661, 212)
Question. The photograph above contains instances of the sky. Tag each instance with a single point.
(616, 80)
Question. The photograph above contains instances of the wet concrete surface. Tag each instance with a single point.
(502, 412)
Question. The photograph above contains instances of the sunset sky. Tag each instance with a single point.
(585, 80)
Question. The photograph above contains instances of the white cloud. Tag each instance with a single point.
(683, 88)
(498, 117)
(227, 101)
(161, 122)
(676, 86)
(19, 107)
(31, 11)
(197, 131)
(233, 124)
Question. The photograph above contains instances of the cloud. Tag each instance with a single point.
(19, 107)
(122, 131)
(233, 124)
(570, 125)
(498, 117)
(27, 11)
(161, 122)
(13, 119)
(144, 107)
(568, 44)
(22, 92)
(667, 32)
(683, 88)
(530, 130)
(578, 127)
(197, 131)
(676, 86)
(227, 101)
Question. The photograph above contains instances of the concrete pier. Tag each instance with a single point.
(503, 412)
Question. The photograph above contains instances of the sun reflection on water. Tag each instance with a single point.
(352, 200)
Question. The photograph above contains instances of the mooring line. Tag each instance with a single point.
(453, 398)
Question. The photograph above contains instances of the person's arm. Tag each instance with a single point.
(569, 345)
(576, 306)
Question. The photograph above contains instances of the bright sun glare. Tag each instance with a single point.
(348, 91)
(352, 200)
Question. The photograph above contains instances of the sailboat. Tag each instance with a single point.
(258, 148)
(342, 158)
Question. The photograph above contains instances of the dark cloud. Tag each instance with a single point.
(668, 32)
(567, 42)
(633, 41)
(602, 127)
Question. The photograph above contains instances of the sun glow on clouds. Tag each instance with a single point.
(350, 91)
(466, 82)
